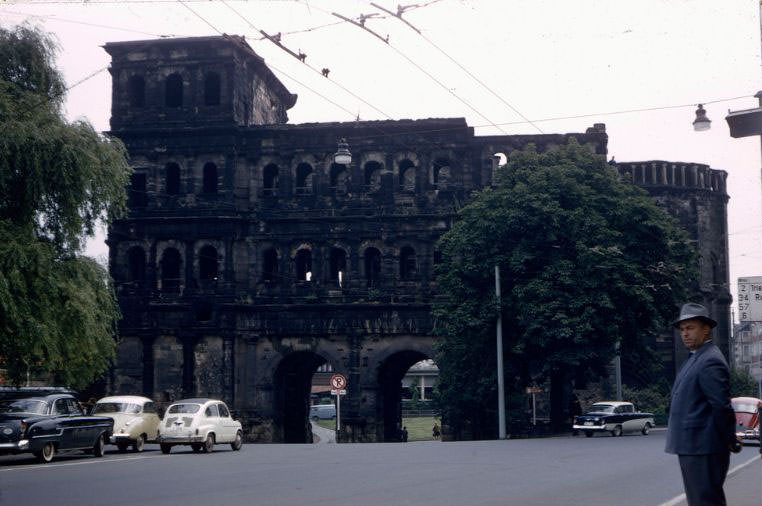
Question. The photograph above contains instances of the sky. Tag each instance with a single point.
(539, 59)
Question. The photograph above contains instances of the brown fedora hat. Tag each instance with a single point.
(693, 311)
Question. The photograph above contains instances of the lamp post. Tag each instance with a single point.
(343, 155)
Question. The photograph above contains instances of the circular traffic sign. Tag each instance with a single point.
(339, 381)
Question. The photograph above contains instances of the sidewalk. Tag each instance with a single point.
(326, 436)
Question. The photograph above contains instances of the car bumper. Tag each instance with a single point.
(121, 438)
(588, 427)
(180, 439)
(16, 446)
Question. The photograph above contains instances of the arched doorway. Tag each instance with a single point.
(293, 385)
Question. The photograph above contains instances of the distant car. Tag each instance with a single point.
(747, 411)
(613, 417)
(323, 412)
(200, 423)
(43, 423)
(135, 420)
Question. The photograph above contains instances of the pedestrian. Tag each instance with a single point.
(701, 427)
(404, 434)
(436, 431)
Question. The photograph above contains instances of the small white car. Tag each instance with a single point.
(200, 423)
(135, 420)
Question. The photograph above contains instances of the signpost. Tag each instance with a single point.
(338, 388)
(750, 299)
(534, 390)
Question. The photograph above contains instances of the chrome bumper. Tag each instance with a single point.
(588, 427)
(120, 438)
(179, 439)
(22, 445)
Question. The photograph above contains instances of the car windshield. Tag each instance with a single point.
(30, 406)
(116, 407)
(601, 408)
(744, 407)
(184, 408)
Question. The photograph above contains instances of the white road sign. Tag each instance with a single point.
(750, 299)
(338, 392)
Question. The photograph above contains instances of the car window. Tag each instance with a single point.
(224, 413)
(74, 408)
(602, 408)
(149, 407)
(212, 412)
(31, 406)
(60, 407)
(627, 409)
(184, 408)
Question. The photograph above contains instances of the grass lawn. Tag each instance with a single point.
(419, 428)
(327, 424)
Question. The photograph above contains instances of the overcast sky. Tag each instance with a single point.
(548, 59)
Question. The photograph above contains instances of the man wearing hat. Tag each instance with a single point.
(701, 429)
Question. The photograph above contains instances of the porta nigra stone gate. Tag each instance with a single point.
(249, 258)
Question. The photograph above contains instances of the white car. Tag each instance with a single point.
(135, 420)
(200, 423)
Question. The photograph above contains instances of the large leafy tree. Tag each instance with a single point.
(588, 262)
(58, 312)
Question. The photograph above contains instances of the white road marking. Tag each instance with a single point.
(94, 461)
(680, 498)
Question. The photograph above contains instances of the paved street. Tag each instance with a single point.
(605, 471)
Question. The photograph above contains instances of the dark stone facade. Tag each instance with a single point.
(249, 258)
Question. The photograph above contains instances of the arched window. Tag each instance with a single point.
(372, 266)
(136, 261)
(407, 175)
(270, 180)
(303, 265)
(212, 89)
(173, 91)
(210, 178)
(339, 177)
(442, 172)
(408, 265)
(137, 196)
(270, 265)
(373, 172)
(136, 91)
(338, 268)
(304, 176)
(172, 184)
(170, 270)
(207, 263)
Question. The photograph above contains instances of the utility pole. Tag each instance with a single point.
(500, 380)
(618, 366)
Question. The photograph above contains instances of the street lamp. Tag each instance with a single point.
(701, 123)
(342, 155)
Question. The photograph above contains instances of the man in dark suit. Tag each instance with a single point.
(701, 427)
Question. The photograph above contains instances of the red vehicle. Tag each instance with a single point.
(747, 418)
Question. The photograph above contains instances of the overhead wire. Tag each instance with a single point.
(85, 23)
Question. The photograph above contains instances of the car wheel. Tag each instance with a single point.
(588, 433)
(209, 444)
(122, 447)
(617, 431)
(646, 429)
(238, 443)
(165, 448)
(46, 454)
(99, 446)
(139, 443)
(196, 447)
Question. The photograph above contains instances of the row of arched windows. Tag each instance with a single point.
(174, 90)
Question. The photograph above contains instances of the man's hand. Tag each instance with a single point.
(735, 446)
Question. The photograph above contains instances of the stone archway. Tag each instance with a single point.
(389, 402)
(292, 380)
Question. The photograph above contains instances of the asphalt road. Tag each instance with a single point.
(605, 471)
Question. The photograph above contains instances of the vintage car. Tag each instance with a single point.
(323, 412)
(747, 411)
(613, 417)
(45, 422)
(200, 423)
(135, 420)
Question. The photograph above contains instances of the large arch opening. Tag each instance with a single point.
(293, 388)
(406, 383)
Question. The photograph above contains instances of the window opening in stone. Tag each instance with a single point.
(136, 260)
(270, 265)
(304, 176)
(437, 257)
(203, 312)
(137, 196)
(136, 90)
(173, 90)
(270, 179)
(170, 270)
(501, 159)
(210, 178)
(407, 175)
(303, 265)
(372, 266)
(339, 177)
(441, 172)
(173, 179)
(373, 172)
(408, 266)
(207, 263)
(338, 264)
(212, 89)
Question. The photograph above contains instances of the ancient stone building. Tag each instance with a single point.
(249, 257)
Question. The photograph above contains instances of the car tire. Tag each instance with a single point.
(237, 442)
(122, 447)
(588, 433)
(100, 446)
(46, 454)
(165, 448)
(646, 428)
(196, 447)
(209, 444)
(139, 443)
(617, 431)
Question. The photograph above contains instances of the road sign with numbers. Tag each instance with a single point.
(750, 299)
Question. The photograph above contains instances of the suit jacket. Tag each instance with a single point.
(701, 418)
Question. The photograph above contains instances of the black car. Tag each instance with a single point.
(613, 417)
(46, 421)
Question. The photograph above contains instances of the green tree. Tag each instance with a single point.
(742, 384)
(586, 259)
(58, 312)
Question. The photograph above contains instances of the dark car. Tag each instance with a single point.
(46, 421)
(613, 417)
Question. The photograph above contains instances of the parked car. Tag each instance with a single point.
(747, 418)
(135, 420)
(613, 417)
(323, 412)
(200, 423)
(45, 422)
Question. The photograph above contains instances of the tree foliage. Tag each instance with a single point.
(586, 260)
(58, 312)
(742, 384)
